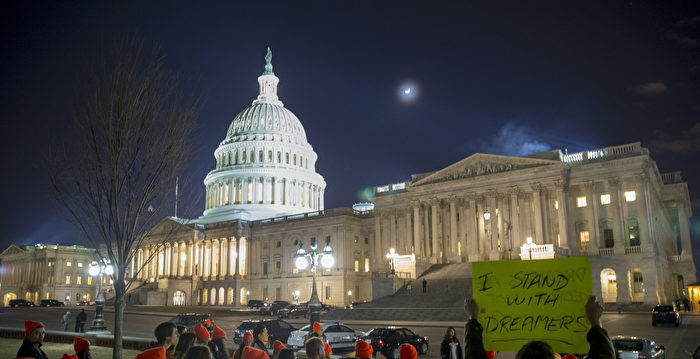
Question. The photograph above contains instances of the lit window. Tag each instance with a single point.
(68, 264)
(328, 292)
(585, 239)
(366, 265)
(605, 198)
(581, 201)
(78, 280)
(630, 196)
(89, 280)
(357, 265)
(68, 279)
(556, 204)
(637, 282)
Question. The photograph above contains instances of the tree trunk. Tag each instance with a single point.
(118, 324)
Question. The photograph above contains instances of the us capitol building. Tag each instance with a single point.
(264, 201)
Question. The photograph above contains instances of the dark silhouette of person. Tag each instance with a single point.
(425, 285)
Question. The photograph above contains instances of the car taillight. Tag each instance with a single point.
(641, 356)
(380, 343)
(655, 313)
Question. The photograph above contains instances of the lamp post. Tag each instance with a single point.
(98, 270)
(302, 259)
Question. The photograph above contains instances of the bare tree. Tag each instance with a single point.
(115, 173)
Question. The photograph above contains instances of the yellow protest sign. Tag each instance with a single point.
(533, 300)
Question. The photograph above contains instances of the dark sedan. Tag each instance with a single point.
(665, 314)
(388, 340)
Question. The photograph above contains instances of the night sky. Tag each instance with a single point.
(503, 77)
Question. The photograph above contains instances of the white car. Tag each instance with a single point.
(635, 347)
(337, 334)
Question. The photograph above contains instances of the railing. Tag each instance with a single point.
(537, 251)
(342, 211)
(606, 251)
(633, 249)
(614, 151)
(674, 258)
(671, 177)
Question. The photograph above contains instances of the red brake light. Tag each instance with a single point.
(380, 343)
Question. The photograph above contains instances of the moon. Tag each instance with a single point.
(407, 92)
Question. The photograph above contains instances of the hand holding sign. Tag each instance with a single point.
(533, 300)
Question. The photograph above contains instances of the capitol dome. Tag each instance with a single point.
(264, 167)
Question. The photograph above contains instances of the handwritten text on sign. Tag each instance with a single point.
(534, 300)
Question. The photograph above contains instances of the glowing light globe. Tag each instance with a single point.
(301, 263)
(94, 270)
(327, 260)
(109, 270)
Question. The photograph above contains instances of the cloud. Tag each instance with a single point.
(682, 39)
(685, 142)
(688, 22)
(514, 140)
(650, 88)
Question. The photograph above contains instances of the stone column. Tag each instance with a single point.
(684, 227)
(408, 239)
(426, 245)
(434, 202)
(563, 214)
(453, 227)
(616, 186)
(416, 228)
(392, 230)
(500, 233)
(490, 248)
(237, 270)
(595, 238)
(377, 239)
(537, 200)
(515, 219)
(644, 214)
(623, 285)
(473, 237)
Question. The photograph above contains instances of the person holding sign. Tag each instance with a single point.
(600, 345)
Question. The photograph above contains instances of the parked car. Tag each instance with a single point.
(20, 303)
(50, 303)
(696, 355)
(189, 320)
(273, 308)
(85, 302)
(635, 348)
(277, 329)
(256, 303)
(388, 339)
(294, 311)
(354, 305)
(337, 334)
(665, 314)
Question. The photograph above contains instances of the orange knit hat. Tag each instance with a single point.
(201, 332)
(69, 356)
(317, 327)
(407, 351)
(152, 353)
(277, 347)
(491, 354)
(248, 336)
(253, 353)
(218, 333)
(79, 344)
(363, 349)
(29, 327)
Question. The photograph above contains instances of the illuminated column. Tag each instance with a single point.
(593, 213)
(515, 219)
(615, 186)
(683, 225)
(435, 255)
(408, 239)
(238, 251)
(244, 190)
(377, 239)
(492, 223)
(190, 259)
(453, 227)
(322, 199)
(227, 256)
(500, 237)
(392, 229)
(563, 214)
(537, 200)
(231, 190)
(416, 228)
(482, 238)
(646, 231)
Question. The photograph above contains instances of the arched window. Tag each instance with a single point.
(252, 156)
(235, 159)
(279, 157)
(633, 230)
(295, 159)
(301, 161)
(260, 156)
(269, 156)
(243, 156)
(286, 155)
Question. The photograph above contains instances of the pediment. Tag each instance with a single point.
(12, 249)
(168, 226)
(480, 164)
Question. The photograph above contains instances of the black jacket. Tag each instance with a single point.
(601, 345)
(28, 350)
(445, 349)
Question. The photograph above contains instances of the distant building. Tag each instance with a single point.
(46, 272)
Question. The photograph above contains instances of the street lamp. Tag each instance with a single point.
(391, 256)
(302, 261)
(98, 324)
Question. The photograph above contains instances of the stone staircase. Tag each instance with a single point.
(447, 287)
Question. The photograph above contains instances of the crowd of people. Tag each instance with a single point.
(175, 342)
